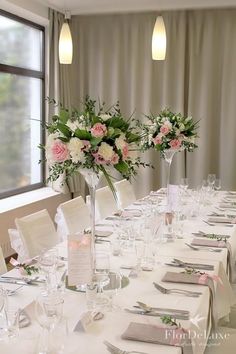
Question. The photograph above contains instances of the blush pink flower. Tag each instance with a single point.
(175, 144)
(115, 159)
(164, 129)
(60, 152)
(87, 145)
(99, 130)
(99, 160)
(125, 151)
(157, 140)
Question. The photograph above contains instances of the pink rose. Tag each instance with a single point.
(164, 129)
(115, 159)
(157, 140)
(125, 152)
(99, 130)
(175, 144)
(99, 160)
(60, 152)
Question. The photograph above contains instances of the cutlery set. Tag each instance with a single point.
(203, 248)
(176, 291)
(181, 264)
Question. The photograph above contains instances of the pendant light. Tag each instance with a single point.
(65, 42)
(159, 40)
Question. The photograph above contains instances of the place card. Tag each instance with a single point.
(85, 322)
(79, 259)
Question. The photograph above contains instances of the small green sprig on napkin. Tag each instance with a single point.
(170, 321)
(190, 270)
(216, 237)
(29, 269)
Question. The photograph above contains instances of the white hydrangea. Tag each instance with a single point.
(105, 151)
(75, 148)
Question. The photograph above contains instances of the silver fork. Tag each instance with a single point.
(203, 248)
(218, 223)
(176, 291)
(115, 350)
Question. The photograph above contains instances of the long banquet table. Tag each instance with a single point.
(141, 288)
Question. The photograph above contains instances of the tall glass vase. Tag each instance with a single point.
(92, 180)
(168, 156)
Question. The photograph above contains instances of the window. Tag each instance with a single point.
(21, 104)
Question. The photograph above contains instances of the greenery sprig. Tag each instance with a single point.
(170, 321)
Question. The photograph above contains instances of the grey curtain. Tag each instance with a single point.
(112, 61)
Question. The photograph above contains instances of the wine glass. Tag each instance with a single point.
(184, 183)
(48, 313)
(217, 184)
(211, 179)
(47, 263)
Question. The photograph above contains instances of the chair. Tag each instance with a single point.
(37, 232)
(17, 245)
(105, 202)
(125, 193)
(3, 268)
(74, 214)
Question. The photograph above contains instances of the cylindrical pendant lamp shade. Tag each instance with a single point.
(159, 40)
(65, 45)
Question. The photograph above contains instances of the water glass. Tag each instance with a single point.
(12, 320)
(91, 295)
(48, 310)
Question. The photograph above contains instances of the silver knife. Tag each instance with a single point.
(194, 265)
(20, 282)
(189, 265)
(159, 314)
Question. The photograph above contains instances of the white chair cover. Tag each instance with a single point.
(125, 193)
(37, 232)
(72, 216)
(17, 245)
(105, 202)
(3, 268)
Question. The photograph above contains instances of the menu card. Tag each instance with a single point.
(79, 259)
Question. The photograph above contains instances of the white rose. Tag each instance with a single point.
(120, 142)
(105, 151)
(105, 117)
(168, 124)
(75, 146)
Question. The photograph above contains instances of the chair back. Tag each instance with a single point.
(125, 193)
(37, 232)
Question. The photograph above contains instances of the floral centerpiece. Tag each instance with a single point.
(169, 133)
(92, 140)
(170, 130)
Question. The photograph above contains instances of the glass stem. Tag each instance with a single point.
(92, 192)
(168, 165)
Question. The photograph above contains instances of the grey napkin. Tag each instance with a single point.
(186, 278)
(166, 335)
(219, 244)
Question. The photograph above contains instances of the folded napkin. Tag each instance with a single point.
(218, 244)
(222, 220)
(166, 335)
(24, 319)
(200, 279)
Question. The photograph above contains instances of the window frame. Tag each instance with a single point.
(15, 70)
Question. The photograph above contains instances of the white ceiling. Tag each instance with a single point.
(111, 6)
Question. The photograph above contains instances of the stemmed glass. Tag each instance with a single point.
(211, 180)
(48, 311)
(184, 183)
(217, 184)
(48, 263)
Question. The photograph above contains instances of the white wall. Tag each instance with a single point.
(28, 9)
